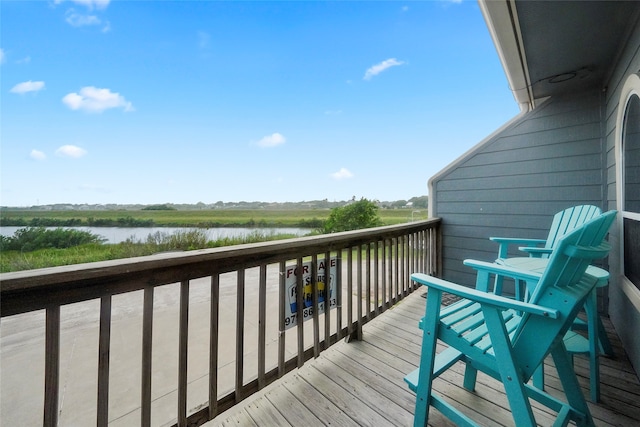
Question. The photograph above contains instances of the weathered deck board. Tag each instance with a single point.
(361, 384)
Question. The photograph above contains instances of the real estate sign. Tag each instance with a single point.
(325, 281)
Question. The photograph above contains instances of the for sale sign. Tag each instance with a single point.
(325, 280)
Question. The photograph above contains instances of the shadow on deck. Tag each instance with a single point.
(361, 384)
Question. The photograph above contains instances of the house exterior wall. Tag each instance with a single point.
(513, 183)
(626, 315)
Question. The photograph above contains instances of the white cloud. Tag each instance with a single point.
(80, 20)
(343, 173)
(378, 68)
(272, 140)
(96, 100)
(37, 155)
(71, 151)
(89, 4)
(29, 86)
(2, 56)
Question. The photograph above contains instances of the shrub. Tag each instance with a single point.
(34, 238)
(355, 216)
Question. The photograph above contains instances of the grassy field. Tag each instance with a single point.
(195, 218)
(15, 260)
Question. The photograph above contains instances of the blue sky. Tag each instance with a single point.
(204, 101)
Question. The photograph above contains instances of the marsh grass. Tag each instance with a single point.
(16, 260)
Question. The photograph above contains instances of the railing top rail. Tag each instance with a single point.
(32, 289)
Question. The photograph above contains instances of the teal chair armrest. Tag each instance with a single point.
(483, 297)
(486, 269)
(504, 243)
(536, 252)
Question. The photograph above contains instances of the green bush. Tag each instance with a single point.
(33, 238)
(355, 216)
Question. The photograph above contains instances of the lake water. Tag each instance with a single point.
(120, 234)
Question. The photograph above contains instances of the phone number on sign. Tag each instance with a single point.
(307, 313)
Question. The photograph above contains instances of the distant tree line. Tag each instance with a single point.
(127, 221)
(420, 202)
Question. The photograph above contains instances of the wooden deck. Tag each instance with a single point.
(361, 384)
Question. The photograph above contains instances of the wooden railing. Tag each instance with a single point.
(372, 273)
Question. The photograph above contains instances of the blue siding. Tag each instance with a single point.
(512, 184)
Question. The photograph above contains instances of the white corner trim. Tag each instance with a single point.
(503, 25)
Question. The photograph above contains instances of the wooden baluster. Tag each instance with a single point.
(240, 335)
(314, 305)
(51, 366)
(104, 345)
(281, 314)
(183, 341)
(338, 290)
(396, 279)
(359, 290)
(299, 311)
(262, 325)
(350, 293)
(327, 299)
(147, 342)
(368, 279)
(376, 277)
(406, 255)
(213, 345)
(383, 269)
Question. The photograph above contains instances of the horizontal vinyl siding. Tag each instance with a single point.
(513, 184)
(624, 315)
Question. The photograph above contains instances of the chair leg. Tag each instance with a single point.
(538, 377)
(427, 357)
(511, 376)
(470, 376)
(594, 347)
(571, 386)
(603, 339)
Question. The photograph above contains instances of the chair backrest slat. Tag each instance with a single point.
(567, 220)
(563, 286)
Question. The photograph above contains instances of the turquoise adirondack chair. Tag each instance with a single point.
(508, 339)
(538, 251)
